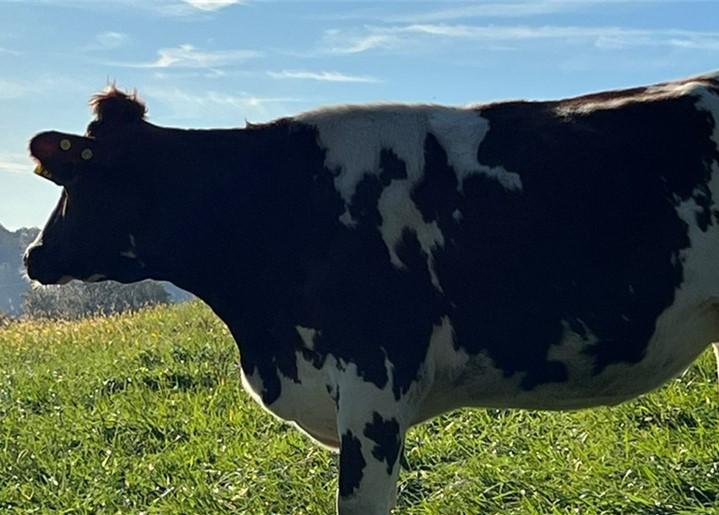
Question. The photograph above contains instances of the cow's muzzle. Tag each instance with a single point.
(37, 265)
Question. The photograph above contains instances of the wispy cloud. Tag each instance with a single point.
(212, 5)
(187, 56)
(699, 43)
(241, 99)
(326, 76)
(220, 108)
(523, 9)
(8, 51)
(109, 40)
(402, 37)
(208, 73)
(169, 8)
(15, 163)
(466, 10)
(341, 42)
(41, 85)
(12, 89)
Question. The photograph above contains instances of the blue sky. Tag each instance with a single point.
(217, 63)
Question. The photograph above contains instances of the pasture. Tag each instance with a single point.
(145, 413)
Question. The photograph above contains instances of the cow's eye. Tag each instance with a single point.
(65, 144)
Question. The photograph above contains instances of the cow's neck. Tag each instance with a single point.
(242, 208)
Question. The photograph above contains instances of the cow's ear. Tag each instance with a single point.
(61, 156)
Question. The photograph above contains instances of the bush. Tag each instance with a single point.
(77, 300)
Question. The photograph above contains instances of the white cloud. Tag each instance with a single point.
(496, 10)
(243, 100)
(509, 33)
(40, 85)
(218, 108)
(696, 43)
(4, 50)
(187, 56)
(338, 42)
(211, 5)
(207, 73)
(466, 10)
(15, 163)
(240, 99)
(13, 89)
(159, 7)
(402, 37)
(327, 76)
(109, 40)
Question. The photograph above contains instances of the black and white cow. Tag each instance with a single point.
(381, 264)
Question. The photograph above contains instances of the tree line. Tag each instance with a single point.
(78, 300)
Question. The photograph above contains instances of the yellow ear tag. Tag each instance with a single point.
(42, 171)
(65, 144)
(86, 154)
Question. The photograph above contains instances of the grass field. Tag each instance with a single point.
(145, 413)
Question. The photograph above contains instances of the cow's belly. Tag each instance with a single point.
(450, 378)
(682, 333)
(307, 403)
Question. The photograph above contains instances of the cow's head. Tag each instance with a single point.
(91, 234)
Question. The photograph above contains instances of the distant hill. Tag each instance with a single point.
(13, 283)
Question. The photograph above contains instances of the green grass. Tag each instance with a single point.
(145, 413)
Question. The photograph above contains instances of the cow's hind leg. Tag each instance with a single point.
(371, 436)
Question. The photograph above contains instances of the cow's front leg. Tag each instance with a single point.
(371, 439)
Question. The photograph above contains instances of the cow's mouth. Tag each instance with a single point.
(42, 171)
(47, 278)
(38, 270)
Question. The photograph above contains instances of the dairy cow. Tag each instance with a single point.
(381, 264)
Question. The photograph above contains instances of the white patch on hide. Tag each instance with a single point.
(308, 404)
(682, 331)
(666, 90)
(677, 89)
(307, 335)
(461, 132)
(131, 252)
(354, 137)
(400, 213)
(253, 385)
(359, 401)
(714, 75)
(443, 366)
(346, 219)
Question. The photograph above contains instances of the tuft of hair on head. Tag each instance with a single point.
(113, 106)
